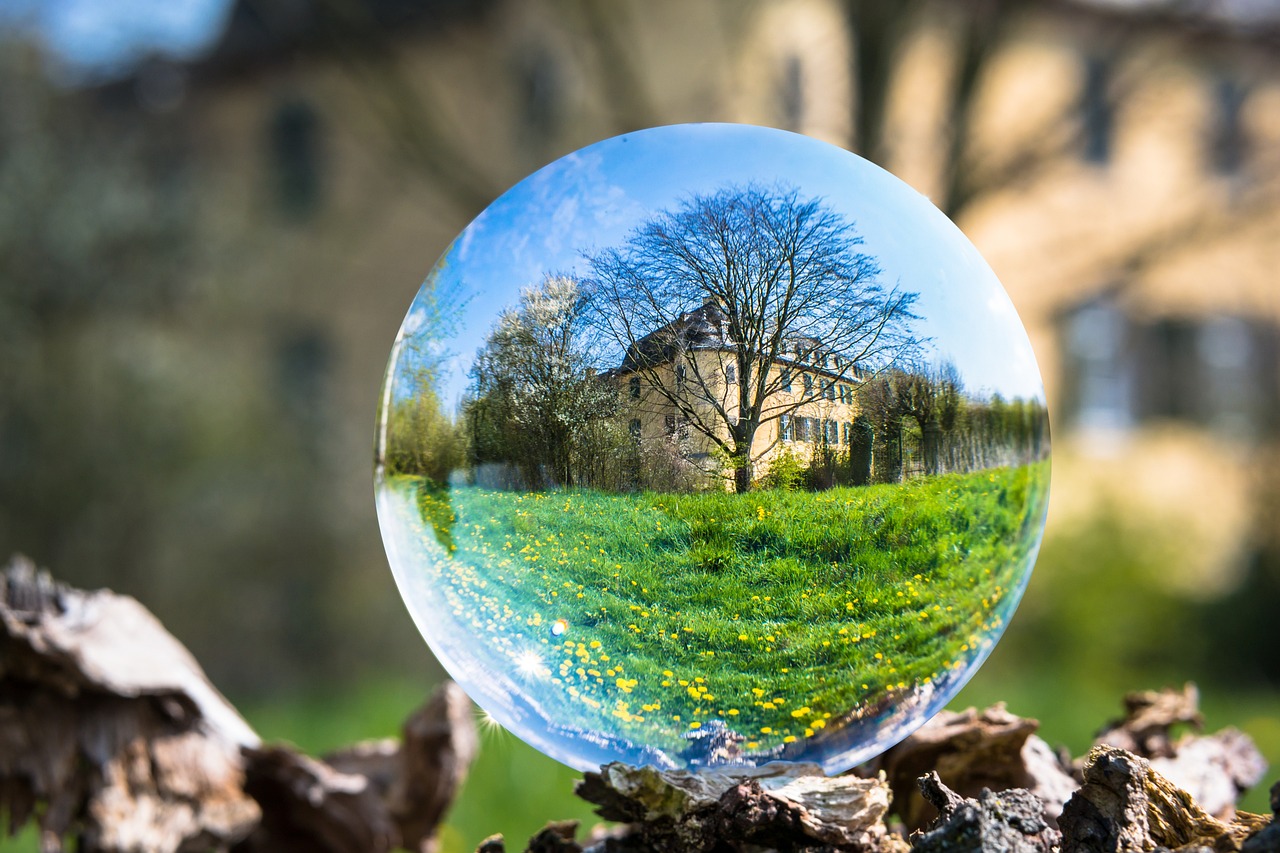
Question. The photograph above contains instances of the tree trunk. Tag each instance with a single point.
(931, 445)
(743, 470)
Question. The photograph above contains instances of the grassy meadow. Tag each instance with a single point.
(779, 614)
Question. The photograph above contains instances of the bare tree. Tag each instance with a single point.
(783, 281)
(931, 396)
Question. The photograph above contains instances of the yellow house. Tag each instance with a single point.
(682, 394)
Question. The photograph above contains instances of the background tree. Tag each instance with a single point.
(931, 396)
(779, 274)
(536, 401)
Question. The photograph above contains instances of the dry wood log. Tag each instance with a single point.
(1011, 821)
(971, 751)
(1125, 805)
(1214, 769)
(780, 805)
(108, 721)
(114, 737)
(1150, 715)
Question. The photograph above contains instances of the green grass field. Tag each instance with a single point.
(779, 613)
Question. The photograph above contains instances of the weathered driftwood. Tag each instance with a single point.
(1150, 716)
(1016, 788)
(1214, 769)
(1011, 821)
(780, 805)
(109, 724)
(1123, 805)
(113, 739)
(970, 751)
(1126, 805)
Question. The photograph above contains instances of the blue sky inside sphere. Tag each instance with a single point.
(594, 198)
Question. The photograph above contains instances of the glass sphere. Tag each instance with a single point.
(712, 445)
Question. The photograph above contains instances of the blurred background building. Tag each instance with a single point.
(210, 229)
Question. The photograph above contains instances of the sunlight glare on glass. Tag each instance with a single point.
(711, 445)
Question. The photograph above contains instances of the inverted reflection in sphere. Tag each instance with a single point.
(712, 445)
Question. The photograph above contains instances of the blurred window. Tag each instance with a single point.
(791, 93)
(731, 373)
(295, 158)
(633, 387)
(634, 429)
(1096, 366)
(1227, 140)
(785, 431)
(1096, 110)
(1165, 357)
(1237, 376)
(541, 87)
(679, 377)
(786, 379)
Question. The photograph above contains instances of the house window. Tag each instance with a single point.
(808, 385)
(679, 377)
(1097, 356)
(846, 394)
(791, 93)
(731, 373)
(669, 424)
(829, 391)
(1227, 138)
(848, 432)
(633, 387)
(541, 93)
(830, 432)
(1097, 112)
(785, 431)
(295, 158)
(786, 379)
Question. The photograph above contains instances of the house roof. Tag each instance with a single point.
(706, 328)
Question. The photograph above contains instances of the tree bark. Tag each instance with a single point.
(113, 741)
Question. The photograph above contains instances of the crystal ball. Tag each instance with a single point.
(711, 445)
